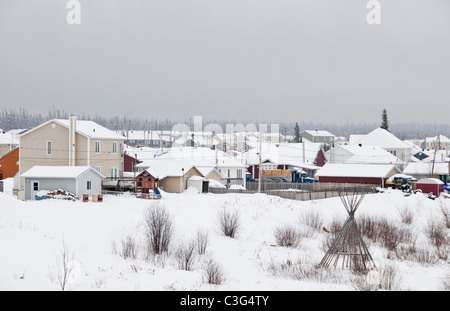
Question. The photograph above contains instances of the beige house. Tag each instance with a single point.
(72, 142)
(172, 174)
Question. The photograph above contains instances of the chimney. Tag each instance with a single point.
(72, 141)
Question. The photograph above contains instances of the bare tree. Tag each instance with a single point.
(63, 263)
(159, 229)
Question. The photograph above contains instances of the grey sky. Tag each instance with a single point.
(289, 60)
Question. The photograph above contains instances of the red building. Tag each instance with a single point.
(375, 174)
(430, 185)
(129, 163)
(8, 164)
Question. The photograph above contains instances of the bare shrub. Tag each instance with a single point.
(438, 236)
(445, 211)
(406, 215)
(369, 226)
(391, 235)
(185, 255)
(213, 272)
(129, 248)
(389, 278)
(287, 235)
(302, 270)
(311, 221)
(332, 230)
(159, 229)
(202, 241)
(229, 222)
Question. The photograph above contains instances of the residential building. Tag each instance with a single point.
(72, 142)
(386, 140)
(77, 180)
(316, 136)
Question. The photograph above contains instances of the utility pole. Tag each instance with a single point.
(260, 162)
(437, 143)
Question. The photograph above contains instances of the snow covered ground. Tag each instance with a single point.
(32, 236)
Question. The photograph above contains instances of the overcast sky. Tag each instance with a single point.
(279, 60)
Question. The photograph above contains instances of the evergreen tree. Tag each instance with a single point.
(297, 137)
(384, 120)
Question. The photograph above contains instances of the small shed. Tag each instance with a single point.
(78, 180)
(430, 185)
(198, 182)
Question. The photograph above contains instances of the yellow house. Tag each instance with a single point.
(72, 142)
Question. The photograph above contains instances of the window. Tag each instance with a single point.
(89, 185)
(98, 168)
(114, 172)
(35, 186)
(229, 173)
(114, 147)
(239, 173)
(48, 147)
(97, 147)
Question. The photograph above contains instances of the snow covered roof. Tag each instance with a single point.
(8, 139)
(425, 168)
(92, 129)
(379, 137)
(85, 128)
(433, 181)
(356, 170)
(354, 154)
(285, 154)
(318, 133)
(162, 168)
(196, 156)
(58, 172)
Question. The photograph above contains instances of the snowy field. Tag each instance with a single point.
(32, 235)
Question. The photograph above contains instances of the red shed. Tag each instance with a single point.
(356, 173)
(430, 185)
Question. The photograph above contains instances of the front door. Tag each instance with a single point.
(34, 188)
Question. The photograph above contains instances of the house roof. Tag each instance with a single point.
(318, 133)
(379, 137)
(433, 181)
(285, 154)
(8, 139)
(425, 168)
(354, 154)
(166, 168)
(58, 172)
(196, 156)
(356, 170)
(84, 127)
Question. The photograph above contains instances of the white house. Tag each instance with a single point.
(361, 154)
(386, 140)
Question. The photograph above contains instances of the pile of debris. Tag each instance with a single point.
(59, 194)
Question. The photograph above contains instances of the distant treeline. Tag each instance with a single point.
(23, 119)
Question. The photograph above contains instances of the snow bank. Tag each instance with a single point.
(31, 234)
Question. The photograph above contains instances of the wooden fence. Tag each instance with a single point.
(300, 191)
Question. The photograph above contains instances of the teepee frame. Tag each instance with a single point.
(349, 245)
